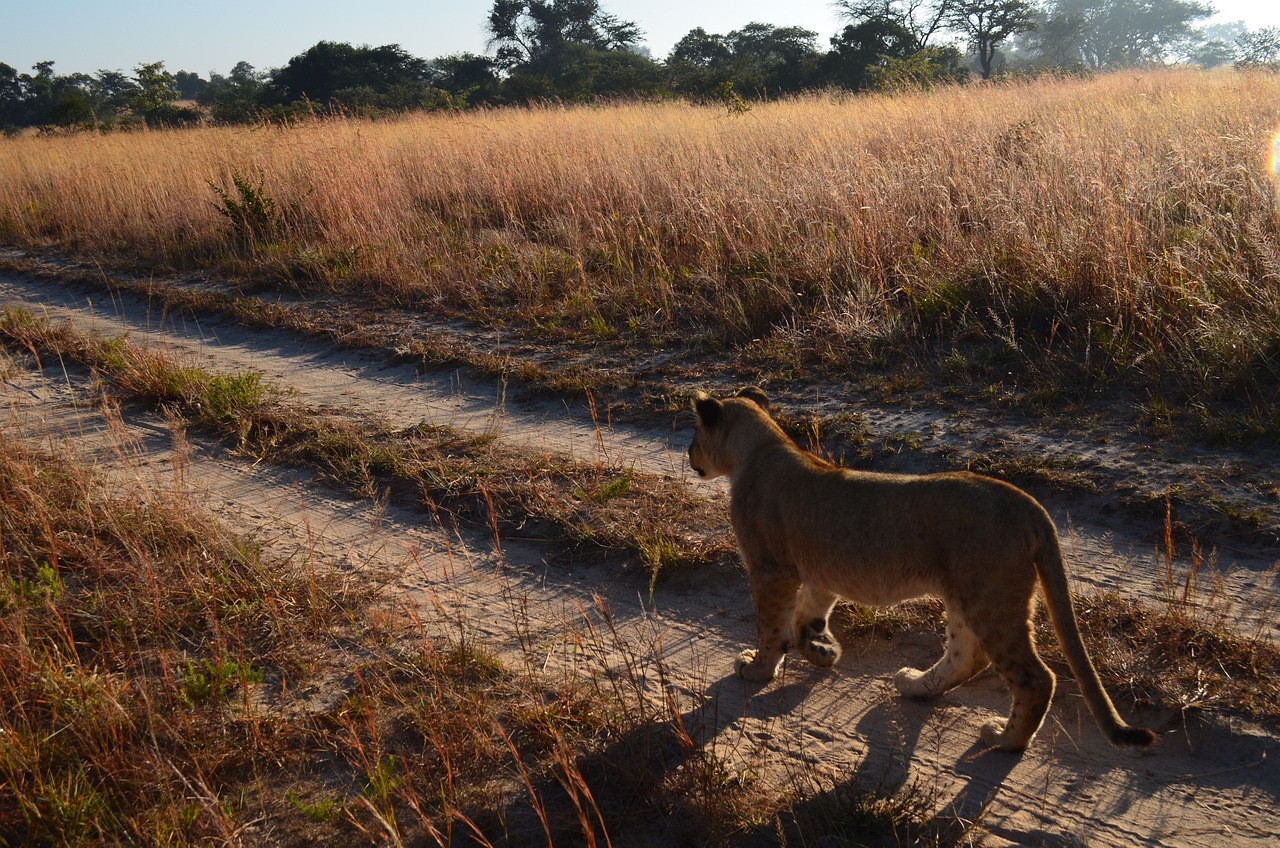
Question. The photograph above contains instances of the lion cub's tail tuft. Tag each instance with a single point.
(1136, 737)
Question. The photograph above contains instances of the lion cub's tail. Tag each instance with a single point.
(1053, 577)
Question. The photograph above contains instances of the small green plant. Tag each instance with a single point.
(614, 488)
(659, 553)
(732, 100)
(599, 327)
(74, 806)
(250, 211)
(46, 586)
(16, 321)
(322, 811)
(606, 492)
(113, 354)
(378, 793)
(226, 395)
(212, 680)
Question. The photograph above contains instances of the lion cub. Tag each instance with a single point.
(809, 532)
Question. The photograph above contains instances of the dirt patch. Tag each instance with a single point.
(1209, 780)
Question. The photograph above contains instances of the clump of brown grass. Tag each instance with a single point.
(1190, 651)
(135, 636)
(1181, 661)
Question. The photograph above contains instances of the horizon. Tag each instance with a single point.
(83, 37)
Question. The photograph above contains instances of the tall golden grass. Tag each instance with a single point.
(1127, 221)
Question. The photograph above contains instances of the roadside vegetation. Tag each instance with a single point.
(1054, 239)
(459, 476)
(1182, 653)
(167, 682)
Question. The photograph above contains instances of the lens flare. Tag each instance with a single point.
(1273, 165)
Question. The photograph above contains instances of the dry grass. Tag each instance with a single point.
(461, 477)
(148, 663)
(168, 683)
(135, 636)
(1118, 227)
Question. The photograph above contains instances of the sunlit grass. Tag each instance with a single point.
(1123, 226)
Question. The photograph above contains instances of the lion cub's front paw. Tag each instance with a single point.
(750, 668)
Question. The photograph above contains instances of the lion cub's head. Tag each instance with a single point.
(711, 453)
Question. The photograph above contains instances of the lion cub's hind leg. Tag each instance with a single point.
(962, 659)
(813, 630)
(1011, 645)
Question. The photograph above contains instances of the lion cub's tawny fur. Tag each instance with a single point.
(809, 532)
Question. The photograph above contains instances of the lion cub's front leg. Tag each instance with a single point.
(775, 614)
(816, 641)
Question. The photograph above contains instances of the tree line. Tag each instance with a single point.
(573, 50)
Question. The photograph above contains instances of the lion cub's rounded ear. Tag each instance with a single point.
(707, 409)
(755, 393)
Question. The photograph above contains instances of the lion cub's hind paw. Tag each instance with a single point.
(750, 668)
(913, 683)
(996, 734)
(823, 651)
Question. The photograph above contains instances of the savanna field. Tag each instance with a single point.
(1103, 248)
(1122, 227)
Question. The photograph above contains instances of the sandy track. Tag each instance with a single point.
(325, 377)
(1206, 784)
(1102, 557)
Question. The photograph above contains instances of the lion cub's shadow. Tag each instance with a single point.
(893, 729)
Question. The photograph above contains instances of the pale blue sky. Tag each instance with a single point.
(89, 35)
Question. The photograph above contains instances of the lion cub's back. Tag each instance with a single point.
(906, 533)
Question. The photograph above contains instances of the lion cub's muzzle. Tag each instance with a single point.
(694, 465)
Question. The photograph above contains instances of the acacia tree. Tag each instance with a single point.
(467, 77)
(922, 18)
(1258, 48)
(988, 23)
(527, 31)
(700, 62)
(111, 90)
(759, 59)
(567, 49)
(862, 48)
(153, 96)
(773, 59)
(236, 97)
(329, 68)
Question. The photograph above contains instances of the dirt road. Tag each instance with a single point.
(1209, 782)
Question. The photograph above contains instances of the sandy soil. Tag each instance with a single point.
(1209, 782)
